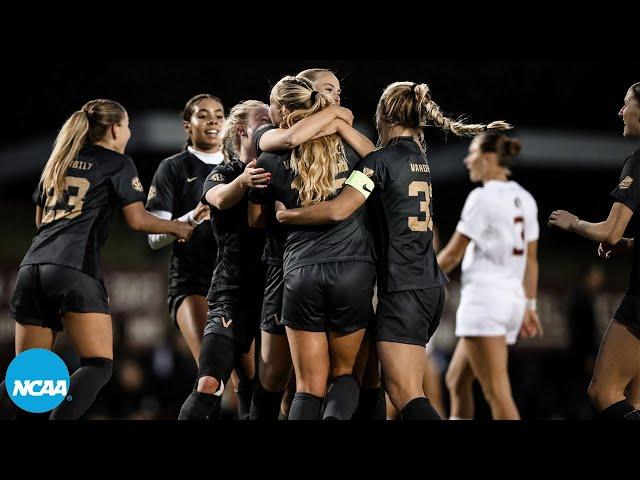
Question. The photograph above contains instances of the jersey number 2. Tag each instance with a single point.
(76, 190)
(416, 225)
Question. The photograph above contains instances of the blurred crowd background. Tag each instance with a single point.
(565, 113)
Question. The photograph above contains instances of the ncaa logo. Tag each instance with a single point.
(37, 380)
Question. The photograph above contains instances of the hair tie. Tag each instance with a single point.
(314, 94)
(413, 88)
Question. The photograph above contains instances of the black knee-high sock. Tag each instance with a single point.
(621, 410)
(246, 388)
(342, 398)
(84, 385)
(216, 411)
(419, 409)
(305, 406)
(265, 405)
(8, 409)
(199, 406)
(372, 404)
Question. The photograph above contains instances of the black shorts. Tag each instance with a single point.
(329, 297)
(628, 314)
(271, 321)
(174, 302)
(410, 316)
(236, 317)
(46, 292)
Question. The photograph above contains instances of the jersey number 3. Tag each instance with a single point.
(415, 224)
(519, 243)
(76, 190)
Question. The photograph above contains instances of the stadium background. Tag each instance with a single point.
(566, 116)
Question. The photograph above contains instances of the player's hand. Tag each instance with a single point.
(182, 230)
(254, 177)
(201, 212)
(531, 326)
(344, 114)
(281, 212)
(329, 129)
(562, 219)
(605, 250)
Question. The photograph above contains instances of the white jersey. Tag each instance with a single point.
(500, 218)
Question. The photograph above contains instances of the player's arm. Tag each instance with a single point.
(257, 215)
(610, 231)
(226, 195)
(531, 271)
(357, 189)
(531, 325)
(436, 242)
(38, 216)
(194, 217)
(361, 144)
(139, 219)
(625, 245)
(451, 255)
(304, 130)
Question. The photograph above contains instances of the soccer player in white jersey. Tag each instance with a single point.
(498, 237)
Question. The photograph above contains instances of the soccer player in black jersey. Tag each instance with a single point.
(372, 404)
(410, 283)
(175, 192)
(275, 358)
(60, 285)
(235, 295)
(618, 364)
(328, 271)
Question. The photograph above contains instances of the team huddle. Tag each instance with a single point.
(303, 267)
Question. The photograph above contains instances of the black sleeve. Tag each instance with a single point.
(372, 166)
(258, 135)
(222, 174)
(127, 185)
(38, 196)
(163, 188)
(263, 196)
(628, 191)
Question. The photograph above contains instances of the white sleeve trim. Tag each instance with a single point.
(159, 240)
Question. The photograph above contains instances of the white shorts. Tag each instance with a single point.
(487, 311)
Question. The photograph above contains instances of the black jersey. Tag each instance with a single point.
(400, 212)
(348, 240)
(628, 193)
(276, 232)
(239, 246)
(75, 227)
(177, 188)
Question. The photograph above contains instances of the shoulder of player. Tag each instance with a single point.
(111, 162)
(634, 159)
(528, 196)
(174, 162)
(379, 155)
(478, 193)
(178, 158)
(479, 197)
(225, 172)
(271, 161)
(264, 128)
